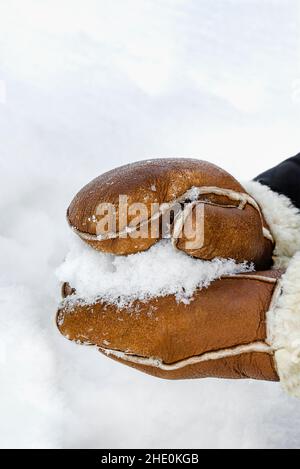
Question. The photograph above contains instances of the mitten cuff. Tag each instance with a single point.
(283, 322)
(283, 219)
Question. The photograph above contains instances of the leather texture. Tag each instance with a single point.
(229, 231)
(284, 179)
(230, 313)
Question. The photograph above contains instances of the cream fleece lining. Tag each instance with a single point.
(283, 321)
(283, 318)
(283, 219)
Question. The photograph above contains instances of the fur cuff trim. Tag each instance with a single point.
(283, 219)
(284, 328)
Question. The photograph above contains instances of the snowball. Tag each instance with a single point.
(160, 271)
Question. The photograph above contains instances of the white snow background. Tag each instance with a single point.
(89, 85)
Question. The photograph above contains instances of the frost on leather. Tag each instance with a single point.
(234, 225)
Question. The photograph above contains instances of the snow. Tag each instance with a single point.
(160, 271)
(87, 86)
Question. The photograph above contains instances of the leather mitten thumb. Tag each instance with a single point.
(232, 225)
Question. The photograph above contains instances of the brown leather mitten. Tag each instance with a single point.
(221, 333)
(241, 326)
(231, 223)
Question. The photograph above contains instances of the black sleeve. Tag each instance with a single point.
(284, 179)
